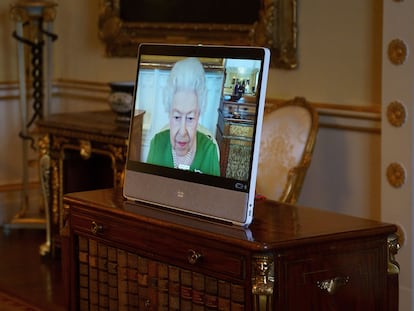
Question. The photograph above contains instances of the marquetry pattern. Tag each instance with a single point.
(114, 279)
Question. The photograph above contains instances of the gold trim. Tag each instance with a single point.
(82, 85)
(102, 87)
(373, 130)
(396, 113)
(397, 51)
(44, 174)
(80, 97)
(393, 248)
(24, 10)
(18, 187)
(58, 187)
(369, 113)
(82, 90)
(275, 28)
(56, 192)
(396, 175)
(372, 108)
(67, 134)
(85, 149)
(263, 282)
(349, 115)
(98, 92)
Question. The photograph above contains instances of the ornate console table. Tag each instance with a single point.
(119, 255)
(78, 151)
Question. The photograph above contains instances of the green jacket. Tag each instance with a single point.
(206, 159)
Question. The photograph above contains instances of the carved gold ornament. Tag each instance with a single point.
(397, 51)
(393, 248)
(85, 149)
(396, 175)
(396, 113)
(263, 281)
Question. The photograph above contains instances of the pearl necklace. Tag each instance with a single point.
(185, 164)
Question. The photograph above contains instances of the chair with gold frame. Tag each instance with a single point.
(288, 139)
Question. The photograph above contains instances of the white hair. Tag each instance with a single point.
(186, 75)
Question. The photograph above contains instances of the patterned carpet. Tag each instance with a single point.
(11, 303)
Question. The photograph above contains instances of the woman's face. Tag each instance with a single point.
(183, 122)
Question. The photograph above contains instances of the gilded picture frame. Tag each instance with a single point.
(275, 28)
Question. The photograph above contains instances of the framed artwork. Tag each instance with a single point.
(123, 24)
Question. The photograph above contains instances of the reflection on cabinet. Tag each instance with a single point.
(129, 256)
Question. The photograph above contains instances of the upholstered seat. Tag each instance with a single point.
(288, 138)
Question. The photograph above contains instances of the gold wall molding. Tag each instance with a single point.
(81, 90)
(18, 187)
(346, 117)
(396, 174)
(397, 51)
(9, 90)
(396, 113)
(62, 88)
(358, 118)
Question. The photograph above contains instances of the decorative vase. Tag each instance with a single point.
(121, 99)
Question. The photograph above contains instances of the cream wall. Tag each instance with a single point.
(397, 142)
(339, 62)
(339, 53)
(339, 47)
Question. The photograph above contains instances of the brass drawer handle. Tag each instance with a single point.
(193, 256)
(332, 285)
(95, 228)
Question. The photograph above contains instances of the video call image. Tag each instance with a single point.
(196, 114)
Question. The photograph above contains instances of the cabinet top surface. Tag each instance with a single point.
(97, 122)
(274, 224)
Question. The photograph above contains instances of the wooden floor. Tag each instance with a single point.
(26, 274)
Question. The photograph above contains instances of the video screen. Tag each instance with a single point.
(195, 115)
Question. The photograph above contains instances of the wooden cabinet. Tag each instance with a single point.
(336, 276)
(79, 151)
(119, 255)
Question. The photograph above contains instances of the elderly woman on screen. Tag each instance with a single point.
(184, 144)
